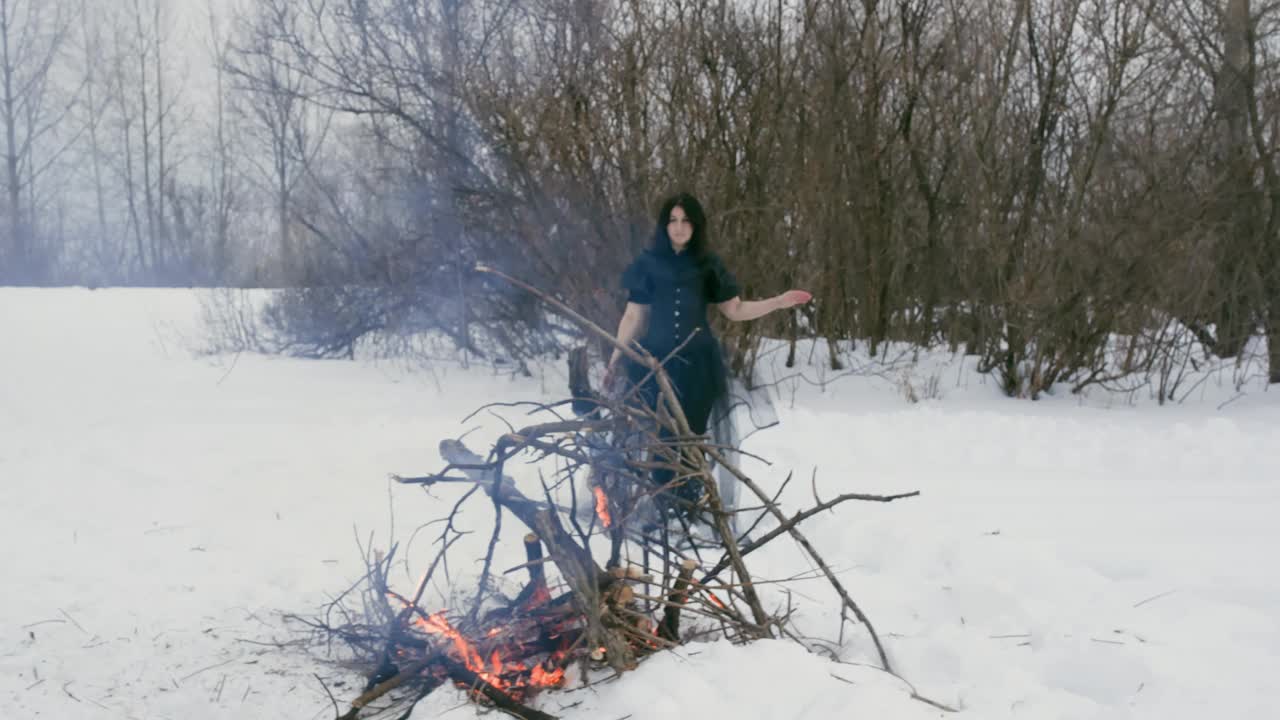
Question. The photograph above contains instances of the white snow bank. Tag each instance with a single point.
(159, 510)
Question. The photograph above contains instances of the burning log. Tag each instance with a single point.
(463, 675)
(536, 590)
(669, 628)
(585, 578)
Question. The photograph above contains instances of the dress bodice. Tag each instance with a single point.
(678, 288)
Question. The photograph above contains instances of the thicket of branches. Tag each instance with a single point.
(1073, 191)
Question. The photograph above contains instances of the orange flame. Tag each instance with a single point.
(492, 671)
(602, 506)
(438, 625)
(542, 678)
(716, 600)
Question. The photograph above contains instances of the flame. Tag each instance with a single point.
(437, 624)
(492, 671)
(716, 600)
(602, 506)
(542, 678)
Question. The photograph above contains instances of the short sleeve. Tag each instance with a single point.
(722, 286)
(638, 282)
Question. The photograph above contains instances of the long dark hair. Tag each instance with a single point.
(693, 210)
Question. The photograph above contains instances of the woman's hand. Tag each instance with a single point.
(792, 298)
(611, 383)
(610, 374)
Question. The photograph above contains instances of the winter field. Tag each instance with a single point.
(1073, 558)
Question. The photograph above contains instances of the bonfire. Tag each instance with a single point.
(605, 588)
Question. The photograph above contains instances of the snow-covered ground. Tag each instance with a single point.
(1069, 559)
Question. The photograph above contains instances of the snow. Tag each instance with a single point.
(161, 509)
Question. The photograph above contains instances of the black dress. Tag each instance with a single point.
(678, 288)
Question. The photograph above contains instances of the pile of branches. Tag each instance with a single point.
(610, 575)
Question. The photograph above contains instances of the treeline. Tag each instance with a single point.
(1074, 191)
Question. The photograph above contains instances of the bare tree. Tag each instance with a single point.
(32, 36)
(292, 131)
(146, 117)
(95, 105)
(1236, 196)
(224, 194)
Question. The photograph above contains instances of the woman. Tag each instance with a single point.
(669, 287)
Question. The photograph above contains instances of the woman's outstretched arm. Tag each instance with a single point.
(739, 310)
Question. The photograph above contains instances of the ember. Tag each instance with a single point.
(602, 506)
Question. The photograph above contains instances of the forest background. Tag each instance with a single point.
(1076, 192)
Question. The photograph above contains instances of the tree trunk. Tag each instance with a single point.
(1235, 315)
(17, 240)
(1273, 334)
(164, 238)
(219, 253)
(148, 196)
